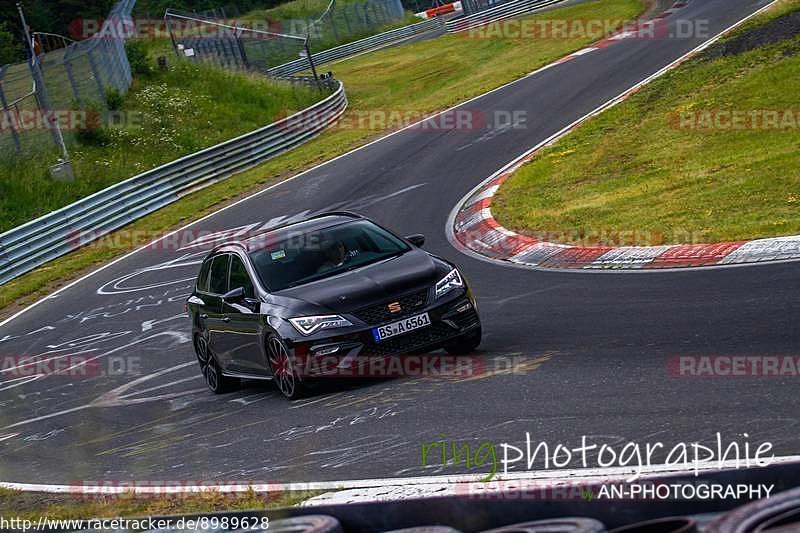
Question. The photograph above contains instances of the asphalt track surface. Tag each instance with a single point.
(591, 349)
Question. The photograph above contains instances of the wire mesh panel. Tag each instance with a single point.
(62, 75)
(261, 43)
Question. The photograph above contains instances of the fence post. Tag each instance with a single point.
(333, 26)
(347, 20)
(118, 52)
(71, 75)
(241, 49)
(366, 15)
(112, 68)
(311, 61)
(101, 90)
(171, 35)
(4, 102)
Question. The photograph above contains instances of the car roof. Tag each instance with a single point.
(315, 223)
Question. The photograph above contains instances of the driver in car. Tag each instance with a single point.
(336, 255)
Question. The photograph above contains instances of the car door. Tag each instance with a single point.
(242, 334)
(197, 302)
(212, 313)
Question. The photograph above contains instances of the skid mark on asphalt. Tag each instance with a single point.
(168, 434)
(498, 301)
(116, 397)
(356, 451)
(520, 365)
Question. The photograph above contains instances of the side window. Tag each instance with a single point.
(202, 278)
(219, 274)
(240, 278)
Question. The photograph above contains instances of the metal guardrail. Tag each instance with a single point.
(495, 14)
(371, 43)
(28, 246)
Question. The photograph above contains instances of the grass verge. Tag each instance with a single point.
(413, 76)
(669, 160)
(33, 505)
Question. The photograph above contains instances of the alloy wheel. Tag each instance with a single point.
(281, 367)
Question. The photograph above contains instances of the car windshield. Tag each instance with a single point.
(306, 257)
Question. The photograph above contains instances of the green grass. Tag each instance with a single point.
(412, 76)
(32, 505)
(172, 114)
(631, 169)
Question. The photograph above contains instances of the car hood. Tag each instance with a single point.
(367, 285)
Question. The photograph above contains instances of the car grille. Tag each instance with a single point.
(410, 342)
(377, 314)
(466, 319)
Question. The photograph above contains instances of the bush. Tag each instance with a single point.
(138, 59)
(95, 133)
(114, 99)
(10, 47)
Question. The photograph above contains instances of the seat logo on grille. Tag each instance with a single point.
(395, 307)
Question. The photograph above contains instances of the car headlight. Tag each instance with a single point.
(309, 324)
(451, 281)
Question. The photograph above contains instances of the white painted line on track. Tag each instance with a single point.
(555, 476)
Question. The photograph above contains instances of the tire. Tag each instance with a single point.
(465, 344)
(284, 375)
(212, 373)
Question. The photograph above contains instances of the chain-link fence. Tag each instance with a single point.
(37, 94)
(261, 44)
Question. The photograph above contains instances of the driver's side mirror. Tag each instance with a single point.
(234, 295)
(417, 239)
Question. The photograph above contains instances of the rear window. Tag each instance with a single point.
(319, 254)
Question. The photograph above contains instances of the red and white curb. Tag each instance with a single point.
(475, 229)
(453, 7)
(644, 29)
(472, 228)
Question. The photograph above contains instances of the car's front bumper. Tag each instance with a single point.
(451, 319)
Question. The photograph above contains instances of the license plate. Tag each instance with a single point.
(401, 326)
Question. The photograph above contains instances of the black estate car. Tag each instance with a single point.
(336, 286)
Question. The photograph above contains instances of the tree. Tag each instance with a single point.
(10, 46)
